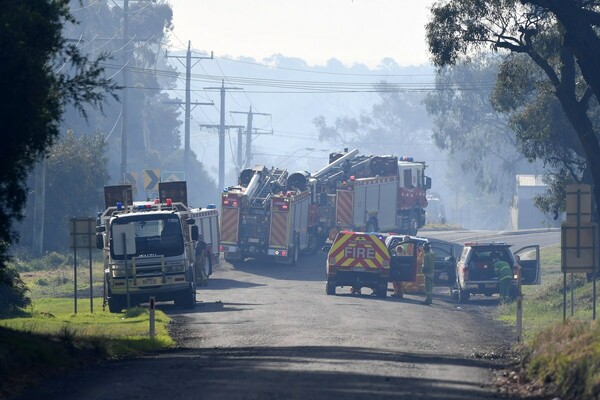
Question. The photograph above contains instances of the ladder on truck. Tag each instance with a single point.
(264, 194)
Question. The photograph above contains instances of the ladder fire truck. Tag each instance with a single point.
(371, 193)
(150, 247)
(267, 216)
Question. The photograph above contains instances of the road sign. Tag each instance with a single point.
(172, 176)
(132, 178)
(82, 232)
(151, 179)
(579, 248)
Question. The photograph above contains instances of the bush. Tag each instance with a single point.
(12, 291)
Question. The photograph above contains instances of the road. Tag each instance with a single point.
(270, 332)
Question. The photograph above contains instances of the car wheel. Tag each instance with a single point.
(330, 288)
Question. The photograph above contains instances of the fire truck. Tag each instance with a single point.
(150, 246)
(267, 216)
(371, 193)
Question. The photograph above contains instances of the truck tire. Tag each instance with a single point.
(463, 296)
(382, 290)
(186, 299)
(330, 288)
(116, 304)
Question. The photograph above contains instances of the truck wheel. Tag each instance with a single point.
(116, 304)
(330, 288)
(186, 299)
(463, 296)
(382, 290)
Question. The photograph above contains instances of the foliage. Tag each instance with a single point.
(472, 131)
(12, 292)
(76, 171)
(41, 73)
(51, 339)
(398, 118)
(566, 357)
(557, 37)
(153, 117)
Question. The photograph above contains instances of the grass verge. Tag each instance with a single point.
(49, 338)
(563, 358)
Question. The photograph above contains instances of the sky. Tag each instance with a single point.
(351, 31)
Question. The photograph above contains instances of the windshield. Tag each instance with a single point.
(155, 235)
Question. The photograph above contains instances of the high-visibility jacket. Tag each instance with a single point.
(503, 270)
(429, 264)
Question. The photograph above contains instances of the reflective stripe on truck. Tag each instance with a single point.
(359, 250)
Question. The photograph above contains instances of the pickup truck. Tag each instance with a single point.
(358, 260)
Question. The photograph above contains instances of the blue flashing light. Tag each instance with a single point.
(211, 206)
(119, 206)
(225, 190)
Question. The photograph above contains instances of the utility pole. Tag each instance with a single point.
(188, 103)
(222, 132)
(221, 128)
(239, 151)
(124, 119)
(125, 105)
(40, 206)
(248, 159)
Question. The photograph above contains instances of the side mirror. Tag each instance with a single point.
(100, 229)
(99, 241)
(190, 221)
(427, 182)
(326, 248)
(194, 232)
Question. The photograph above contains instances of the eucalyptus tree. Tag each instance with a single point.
(41, 74)
(557, 36)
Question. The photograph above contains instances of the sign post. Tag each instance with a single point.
(124, 247)
(579, 241)
(81, 236)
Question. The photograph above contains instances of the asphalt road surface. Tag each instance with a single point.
(270, 332)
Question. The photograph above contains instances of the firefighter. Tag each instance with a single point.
(334, 231)
(428, 269)
(199, 260)
(398, 286)
(505, 275)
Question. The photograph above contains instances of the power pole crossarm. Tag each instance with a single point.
(248, 135)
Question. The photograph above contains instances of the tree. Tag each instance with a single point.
(32, 50)
(75, 174)
(398, 120)
(473, 132)
(524, 27)
(153, 122)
